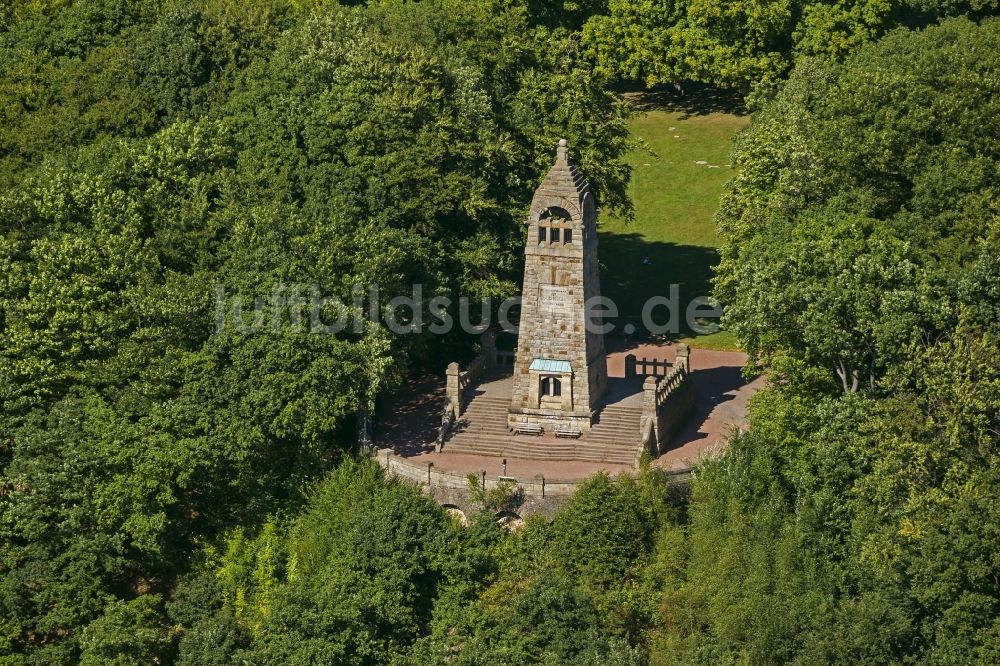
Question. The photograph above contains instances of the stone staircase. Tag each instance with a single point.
(482, 430)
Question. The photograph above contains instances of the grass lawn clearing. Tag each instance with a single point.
(677, 180)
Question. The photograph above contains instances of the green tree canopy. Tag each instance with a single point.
(865, 197)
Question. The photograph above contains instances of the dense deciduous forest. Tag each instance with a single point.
(174, 493)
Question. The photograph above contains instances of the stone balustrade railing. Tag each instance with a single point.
(425, 474)
(474, 372)
(641, 366)
(459, 380)
(636, 366)
(537, 486)
(668, 384)
(657, 389)
(658, 394)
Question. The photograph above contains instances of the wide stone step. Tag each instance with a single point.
(628, 431)
(499, 451)
(622, 435)
(490, 403)
(611, 418)
(619, 439)
(610, 454)
(503, 447)
(624, 416)
(611, 409)
(482, 430)
(526, 440)
(616, 427)
(500, 414)
(525, 443)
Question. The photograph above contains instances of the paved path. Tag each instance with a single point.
(721, 397)
(720, 392)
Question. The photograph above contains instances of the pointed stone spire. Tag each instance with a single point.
(564, 180)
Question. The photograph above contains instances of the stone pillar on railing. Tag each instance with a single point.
(649, 396)
(647, 439)
(538, 490)
(488, 342)
(629, 366)
(453, 389)
(683, 359)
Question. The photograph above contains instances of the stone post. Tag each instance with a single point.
(453, 388)
(539, 488)
(429, 466)
(683, 359)
(649, 396)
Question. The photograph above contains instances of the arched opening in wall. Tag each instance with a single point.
(457, 514)
(551, 387)
(554, 226)
(509, 520)
(555, 214)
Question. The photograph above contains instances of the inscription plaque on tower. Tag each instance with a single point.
(553, 299)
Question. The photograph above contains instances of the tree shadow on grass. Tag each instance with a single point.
(635, 270)
(690, 99)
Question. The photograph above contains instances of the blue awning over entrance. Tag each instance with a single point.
(550, 365)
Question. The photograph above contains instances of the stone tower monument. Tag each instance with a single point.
(560, 371)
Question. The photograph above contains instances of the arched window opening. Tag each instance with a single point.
(555, 214)
(551, 386)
